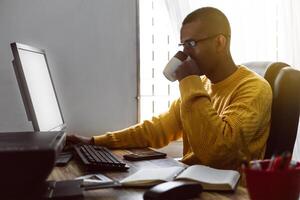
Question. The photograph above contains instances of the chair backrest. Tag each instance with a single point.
(285, 83)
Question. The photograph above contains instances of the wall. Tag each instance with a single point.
(91, 49)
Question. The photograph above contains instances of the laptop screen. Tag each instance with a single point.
(37, 88)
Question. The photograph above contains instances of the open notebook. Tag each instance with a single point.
(210, 178)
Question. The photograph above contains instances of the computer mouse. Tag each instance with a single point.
(174, 190)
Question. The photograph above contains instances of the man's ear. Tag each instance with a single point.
(221, 43)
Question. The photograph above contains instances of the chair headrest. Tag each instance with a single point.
(272, 71)
(285, 110)
(258, 66)
(287, 86)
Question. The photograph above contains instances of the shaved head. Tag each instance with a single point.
(212, 19)
(209, 30)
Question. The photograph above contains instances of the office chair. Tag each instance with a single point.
(285, 83)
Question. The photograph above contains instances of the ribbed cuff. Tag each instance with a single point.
(191, 86)
(102, 140)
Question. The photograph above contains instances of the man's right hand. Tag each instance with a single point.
(78, 139)
(187, 68)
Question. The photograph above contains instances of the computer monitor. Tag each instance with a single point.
(36, 87)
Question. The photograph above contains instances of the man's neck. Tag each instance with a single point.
(224, 69)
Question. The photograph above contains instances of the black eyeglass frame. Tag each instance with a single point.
(193, 43)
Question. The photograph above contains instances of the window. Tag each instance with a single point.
(157, 46)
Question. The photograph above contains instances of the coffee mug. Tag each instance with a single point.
(173, 64)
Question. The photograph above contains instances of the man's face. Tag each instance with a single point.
(203, 50)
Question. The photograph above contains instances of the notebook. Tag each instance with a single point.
(210, 178)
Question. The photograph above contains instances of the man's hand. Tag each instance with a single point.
(78, 139)
(187, 68)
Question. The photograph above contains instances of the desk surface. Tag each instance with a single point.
(73, 169)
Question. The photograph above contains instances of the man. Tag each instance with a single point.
(222, 117)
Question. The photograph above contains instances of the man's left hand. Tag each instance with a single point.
(187, 68)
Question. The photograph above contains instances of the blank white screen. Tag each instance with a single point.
(41, 90)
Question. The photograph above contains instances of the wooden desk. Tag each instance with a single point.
(73, 169)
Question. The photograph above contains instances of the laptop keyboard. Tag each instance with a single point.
(97, 158)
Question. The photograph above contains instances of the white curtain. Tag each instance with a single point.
(177, 11)
(289, 32)
(252, 23)
(262, 30)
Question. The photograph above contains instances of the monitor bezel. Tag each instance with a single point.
(20, 75)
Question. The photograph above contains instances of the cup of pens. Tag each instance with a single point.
(277, 178)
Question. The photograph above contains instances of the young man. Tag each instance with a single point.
(223, 117)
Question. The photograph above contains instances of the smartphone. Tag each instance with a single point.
(145, 155)
(63, 158)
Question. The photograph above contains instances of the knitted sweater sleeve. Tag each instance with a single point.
(156, 133)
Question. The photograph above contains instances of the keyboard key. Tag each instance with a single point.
(97, 158)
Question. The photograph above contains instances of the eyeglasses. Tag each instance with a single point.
(193, 43)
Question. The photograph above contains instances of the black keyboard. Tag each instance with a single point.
(97, 158)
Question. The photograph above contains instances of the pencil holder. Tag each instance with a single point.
(273, 185)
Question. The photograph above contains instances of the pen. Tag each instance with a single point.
(271, 162)
(245, 164)
(285, 161)
(255, 165)
(276, 164)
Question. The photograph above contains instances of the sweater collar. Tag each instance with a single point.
(232, 78)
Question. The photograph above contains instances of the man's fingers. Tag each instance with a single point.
(73, 139)
(77, 139)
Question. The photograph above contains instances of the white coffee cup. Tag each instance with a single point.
(173, 64)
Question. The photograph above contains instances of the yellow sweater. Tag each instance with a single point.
(220, 124)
